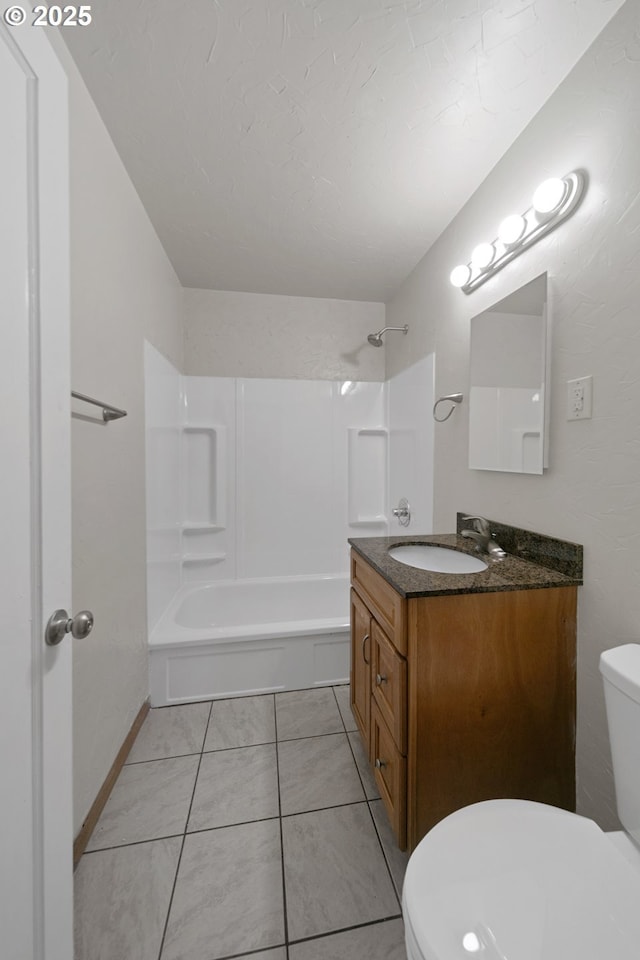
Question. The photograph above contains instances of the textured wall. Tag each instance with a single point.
(591, 492)
(123, 289)
(263, 335)
(290, 146)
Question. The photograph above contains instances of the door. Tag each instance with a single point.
(35, 679)
(361, 666)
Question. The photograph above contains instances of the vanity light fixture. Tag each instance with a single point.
(483, 256)
(553, 201)
(460, 275)
(549, 196)
(511, 229)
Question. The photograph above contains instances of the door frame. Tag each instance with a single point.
(48, 392)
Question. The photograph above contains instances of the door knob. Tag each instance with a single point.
(60, 623)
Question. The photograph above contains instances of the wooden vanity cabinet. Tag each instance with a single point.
(463, 698)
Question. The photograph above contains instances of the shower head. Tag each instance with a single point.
(375, 339)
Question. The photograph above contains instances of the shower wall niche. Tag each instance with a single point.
(367, 450)
(203, 456)
(251, 478)
(203, 461)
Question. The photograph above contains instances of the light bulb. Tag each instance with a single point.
(483, 255)
(460, 275)
(471, 943)
(549, 195)
(511, 229)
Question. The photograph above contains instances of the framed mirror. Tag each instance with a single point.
(508, 404)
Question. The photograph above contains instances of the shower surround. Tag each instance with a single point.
(253, 487)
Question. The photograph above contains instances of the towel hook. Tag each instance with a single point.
(454, 398)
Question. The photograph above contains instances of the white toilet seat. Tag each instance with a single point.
(520, 881)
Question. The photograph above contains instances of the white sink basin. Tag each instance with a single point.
(426, 556)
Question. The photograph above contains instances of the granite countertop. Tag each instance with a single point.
(510, 573)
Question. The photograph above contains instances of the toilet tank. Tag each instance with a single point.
(620, 669)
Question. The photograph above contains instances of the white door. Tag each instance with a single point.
(35, 679)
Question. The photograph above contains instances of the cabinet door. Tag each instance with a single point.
(361, 665)
(389, 685)
(390, 772)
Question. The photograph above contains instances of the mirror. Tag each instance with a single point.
(508, 409)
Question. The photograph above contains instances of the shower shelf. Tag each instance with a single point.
(195, 558)
(195, 525)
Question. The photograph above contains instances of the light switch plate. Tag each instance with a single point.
(579, 398)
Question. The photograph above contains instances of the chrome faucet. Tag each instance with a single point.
(481, 533)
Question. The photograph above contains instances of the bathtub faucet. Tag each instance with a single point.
(481, 533)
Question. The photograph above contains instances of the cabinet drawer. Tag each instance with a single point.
(390, 772)
(389, 685)
(386, 605)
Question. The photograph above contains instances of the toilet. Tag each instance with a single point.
(518, 880)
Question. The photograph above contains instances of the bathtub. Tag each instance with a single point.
(242, 637)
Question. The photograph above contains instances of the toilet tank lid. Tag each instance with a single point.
(621, 667)
(512, 878)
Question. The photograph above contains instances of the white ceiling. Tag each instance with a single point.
(319, 147)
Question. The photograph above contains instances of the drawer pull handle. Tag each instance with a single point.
(380, 763)
(364, 640)
(380, 679)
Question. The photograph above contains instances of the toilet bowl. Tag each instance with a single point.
(518, 880)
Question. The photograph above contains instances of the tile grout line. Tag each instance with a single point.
(317, 936)
(284, 885)
(134, 843)
(355, 926)
(184, 837)
(369, 802)
(174, 756)
(395, 916)
(226, 826)
(353, 754)
(280, 804)
(388, 865)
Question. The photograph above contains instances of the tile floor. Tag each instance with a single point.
(243, 828)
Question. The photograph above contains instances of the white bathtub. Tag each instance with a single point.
(241, 637)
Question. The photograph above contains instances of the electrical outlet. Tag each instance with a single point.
(579, 398)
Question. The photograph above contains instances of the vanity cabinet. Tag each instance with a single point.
(461, 698)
